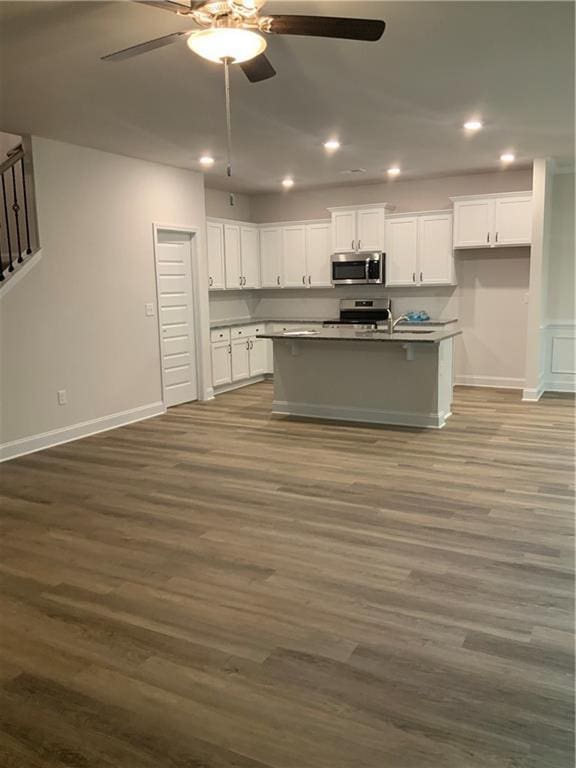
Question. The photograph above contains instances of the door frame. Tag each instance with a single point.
(195, 274)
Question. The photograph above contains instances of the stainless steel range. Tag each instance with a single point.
(363, 314)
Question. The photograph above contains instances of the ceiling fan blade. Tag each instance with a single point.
(182, 9)
(150, 45)
(326, 26)
(258, 69)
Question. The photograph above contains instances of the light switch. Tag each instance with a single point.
(149, 310)
(62, 397)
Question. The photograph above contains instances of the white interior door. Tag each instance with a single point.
(318, 255)
(250, 250)
(435, 255)
(294, 256)
(402, 251)
(513, 221)
(176, 315)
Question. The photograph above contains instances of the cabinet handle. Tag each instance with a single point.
(303, 279)
(229, 349)
(248, 344)
(413, 277)
(420, 276)
(210, 282)
(309, 280)
(496, 236)
(488, 237)
(240, 280)
(278, 280)
(352, 244)
(359, 245)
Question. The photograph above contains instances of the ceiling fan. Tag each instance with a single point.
(234, 31)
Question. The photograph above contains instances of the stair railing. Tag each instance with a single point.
(17, 233)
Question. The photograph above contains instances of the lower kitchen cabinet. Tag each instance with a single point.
(238, 355)
(240, 359)
(221, 363)
(258, 354)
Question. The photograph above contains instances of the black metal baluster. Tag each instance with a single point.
(28, 249)
(10, 265)
(16, 209)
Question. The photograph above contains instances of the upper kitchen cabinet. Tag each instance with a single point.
(271, 257)
(419, 249)
(359, 228)
(233, 255)
(294, 256)
(492, 221)
(215, 248)
(318, 241)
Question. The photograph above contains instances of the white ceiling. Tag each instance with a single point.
(401, 100)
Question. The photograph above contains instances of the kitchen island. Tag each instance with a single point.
(371, 376)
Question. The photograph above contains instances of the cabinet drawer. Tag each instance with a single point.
(281, 327)
(220, 334)
(244, 331)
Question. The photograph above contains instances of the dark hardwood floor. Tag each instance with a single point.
(216, 588)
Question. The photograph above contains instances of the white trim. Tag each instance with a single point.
(288, 223)
(194, 232)
(386, 206)
(239, 384)
(365, 415)
(560, 386)
(45, 440)
(557, 379)
(12, 278)
(533, 394)
(492, 195)
(436, 212)
(498, 382)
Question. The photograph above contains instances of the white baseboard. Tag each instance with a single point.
(499, 382)
(366, 415)
(560, 386)
(533, 394)
(239, 384)
(83, 429)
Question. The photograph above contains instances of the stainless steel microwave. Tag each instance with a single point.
(359, 268)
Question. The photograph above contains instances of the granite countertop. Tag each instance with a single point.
(348, 334)
(308, 321)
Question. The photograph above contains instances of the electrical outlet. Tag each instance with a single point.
(149, 310)
(62, 397)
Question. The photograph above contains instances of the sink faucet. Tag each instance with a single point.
(393, 323)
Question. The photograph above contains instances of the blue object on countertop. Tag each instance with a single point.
(418, 317)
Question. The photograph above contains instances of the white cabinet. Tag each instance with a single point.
(221, 363)
(215, 249)
(419, 250)
(294, 256)
(271, 257)
(492, 221)
(401, 250)
(358, 229)
(250, 255)
(435, 255)
(232, 256)
(258, 356)
(318, 255)
(240, 359)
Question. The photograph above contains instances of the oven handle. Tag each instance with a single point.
(367, 268)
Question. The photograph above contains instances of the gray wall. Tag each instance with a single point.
(561, 277)
(407, 195)
(218, 205)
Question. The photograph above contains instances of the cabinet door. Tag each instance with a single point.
(250, 252)
(513, 221)
(294, 256)
(343, 231)
(271, 257)
(221, 363)
(370, 230)
(232, 256)
(240, 359)
(318, 255)
(473, 223)
(401, 251)
(258, 353)
(215, 248)
(435, 255)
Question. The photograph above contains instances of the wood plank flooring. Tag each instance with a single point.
(217, 588)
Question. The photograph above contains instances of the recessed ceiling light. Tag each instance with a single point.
(332, 145)
(206, 161)
(508, 157)
(473, 125)
(394, 171)
(287, 183)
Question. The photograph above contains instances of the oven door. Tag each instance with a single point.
(357, 269)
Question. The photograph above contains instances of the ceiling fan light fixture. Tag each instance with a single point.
(222, 43)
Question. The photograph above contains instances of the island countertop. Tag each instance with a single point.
(402, 336)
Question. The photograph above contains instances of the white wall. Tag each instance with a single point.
(406, 195)
(77, 321)
(218, 205)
